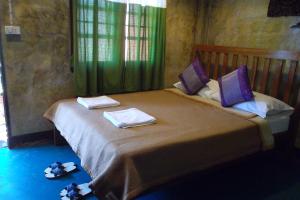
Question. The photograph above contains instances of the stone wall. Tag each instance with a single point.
(37, 68)
(244, 23)
(181, 35)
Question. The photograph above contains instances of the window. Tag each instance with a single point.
(136, 35)
(87, 32)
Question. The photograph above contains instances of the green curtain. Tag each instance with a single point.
(145, 39)
(117, 47)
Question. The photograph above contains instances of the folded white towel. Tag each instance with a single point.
(129, 118)
(97, 102)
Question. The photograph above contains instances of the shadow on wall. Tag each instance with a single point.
(245, 24)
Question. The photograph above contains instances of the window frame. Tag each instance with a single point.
(71, 46)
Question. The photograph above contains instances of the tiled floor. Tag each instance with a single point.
(3, 134)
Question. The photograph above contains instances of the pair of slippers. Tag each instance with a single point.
(75, 192)
(72, 191)
(58, 169)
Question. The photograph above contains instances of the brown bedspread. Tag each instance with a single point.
(187, 137)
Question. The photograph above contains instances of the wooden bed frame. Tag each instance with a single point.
(275, 73)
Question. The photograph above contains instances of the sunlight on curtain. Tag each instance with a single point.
(153, 3)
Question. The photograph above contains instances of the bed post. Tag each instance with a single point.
(295, 121)
(57, 138)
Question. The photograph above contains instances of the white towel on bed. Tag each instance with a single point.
(129, 118)
(97, 102)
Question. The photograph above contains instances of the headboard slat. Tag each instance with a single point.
(254, 71)
(216, 66)
(277, 79)
(225, 64)
(208, 66)
(235, 61)
(289, 85)
(264, 80)
(245, 59)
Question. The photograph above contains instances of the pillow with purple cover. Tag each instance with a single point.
(193, 77)
(235, 87)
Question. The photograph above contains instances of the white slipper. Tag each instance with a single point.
(83, 191)
(53, 173)
(48, 169)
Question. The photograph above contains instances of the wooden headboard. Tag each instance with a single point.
(276, 73)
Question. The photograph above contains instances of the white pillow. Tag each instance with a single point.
(264, 105)
(216, 96)
(211, 87)
(179, 86)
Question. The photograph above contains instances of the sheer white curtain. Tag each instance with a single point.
(154, 3)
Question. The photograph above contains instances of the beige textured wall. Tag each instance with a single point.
(180, 30)
(37, 68)
(244, 23)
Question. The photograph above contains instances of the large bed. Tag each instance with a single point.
(191, 134)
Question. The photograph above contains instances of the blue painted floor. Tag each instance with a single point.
(22, 173)
(264, 178)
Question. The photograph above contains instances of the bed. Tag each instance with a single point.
(191, 133)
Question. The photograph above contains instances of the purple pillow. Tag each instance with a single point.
(235, 87)
(193, 77)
